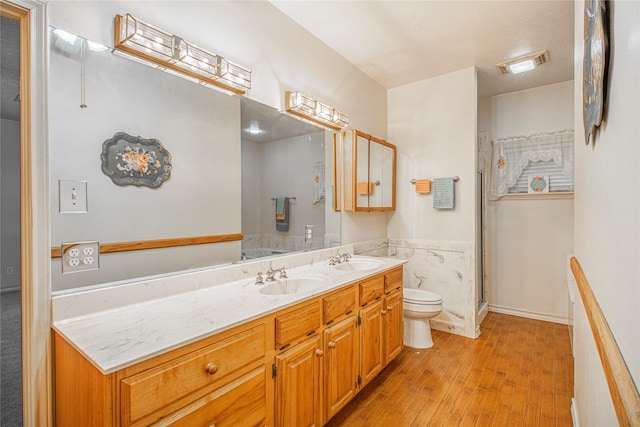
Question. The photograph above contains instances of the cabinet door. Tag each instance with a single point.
(382, 175)
(364, 186)
(393, 325)
(371, 337)
(298, 385)
(340, 365)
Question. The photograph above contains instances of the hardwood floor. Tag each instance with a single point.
(518, 373)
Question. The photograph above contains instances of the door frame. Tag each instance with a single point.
(35, 263)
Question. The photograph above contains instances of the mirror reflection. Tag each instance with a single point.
(234, 165)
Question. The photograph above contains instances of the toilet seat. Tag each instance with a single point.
(421, 297)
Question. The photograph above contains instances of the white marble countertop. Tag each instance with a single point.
(119, 337)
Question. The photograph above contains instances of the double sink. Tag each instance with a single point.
(310, 282)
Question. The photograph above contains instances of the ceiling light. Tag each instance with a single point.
(167, 50)
(308, 108)
(68, 37)
(524, 63)
(254, 128)
(96, 47)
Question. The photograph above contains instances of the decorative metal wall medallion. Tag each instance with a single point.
(133, 160)
(594, 66)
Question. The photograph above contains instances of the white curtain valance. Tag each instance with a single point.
(511, 155)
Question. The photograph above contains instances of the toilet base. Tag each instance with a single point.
(417, 333)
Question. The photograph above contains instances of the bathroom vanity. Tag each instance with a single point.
(287, 353)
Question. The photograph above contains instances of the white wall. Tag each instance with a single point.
(528, 240)
(10, 206)
(433, 124)
(243, 32)
(607, 213)
(199, 128)
(282, 168)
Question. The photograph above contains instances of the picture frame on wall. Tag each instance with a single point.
(538, 184)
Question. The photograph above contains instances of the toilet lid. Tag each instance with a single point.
(420, 296)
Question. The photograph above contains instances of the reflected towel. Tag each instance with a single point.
(364, 188)
(282, 221)
(280, 206)
(443, 193)
(423, 186)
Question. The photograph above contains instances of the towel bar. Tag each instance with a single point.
(455, 179)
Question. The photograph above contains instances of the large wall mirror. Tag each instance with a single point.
(232, 162)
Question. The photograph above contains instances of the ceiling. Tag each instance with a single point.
(401, 42)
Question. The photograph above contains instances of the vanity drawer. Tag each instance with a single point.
(371, 289)
(241, 402)
(339, 303)
(296, 325)
(393, 280)
(212, 366)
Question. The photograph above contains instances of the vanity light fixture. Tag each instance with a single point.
(524, 63)
(172, 53)
(308, 108)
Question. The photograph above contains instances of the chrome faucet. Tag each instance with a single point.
(339, 258)
(271, 273)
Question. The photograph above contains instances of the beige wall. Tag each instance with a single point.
(607, 213)
(433, 124)
(528, 240)
(286, 59)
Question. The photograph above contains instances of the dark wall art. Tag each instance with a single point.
(133, 160)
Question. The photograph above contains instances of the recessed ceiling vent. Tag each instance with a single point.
(524, 63)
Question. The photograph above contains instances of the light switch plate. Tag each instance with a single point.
(72, 196)
(80, 256)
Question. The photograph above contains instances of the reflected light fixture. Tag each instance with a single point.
(524, 63)
(308, 108)
(170, 52)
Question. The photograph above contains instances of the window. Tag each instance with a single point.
(559, 182)
(515, 159)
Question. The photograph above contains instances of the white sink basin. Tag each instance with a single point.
(294, 285)
(360, 264)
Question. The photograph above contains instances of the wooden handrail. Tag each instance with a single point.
(624, 393)
(140, 245)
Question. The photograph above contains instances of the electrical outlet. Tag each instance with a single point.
(80, 256)
(9, 271)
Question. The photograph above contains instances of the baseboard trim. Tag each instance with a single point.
(10, 289)
(528, 314)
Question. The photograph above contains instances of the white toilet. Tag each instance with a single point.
(418, 307)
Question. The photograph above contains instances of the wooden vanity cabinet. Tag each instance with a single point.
(392, 314)
(221, 380)
(393, 323)
(341, 349)
(298, 397)
(296, 367)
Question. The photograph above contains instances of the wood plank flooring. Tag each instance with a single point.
(518, 373)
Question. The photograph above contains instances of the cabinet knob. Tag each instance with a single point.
(319, 353)
(211, 368)
(383, 312)
(331, 344)
(389, 308)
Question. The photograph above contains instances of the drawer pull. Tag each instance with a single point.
(331, 344)
(390, 308)
(383, 312)
(319, 353)
(211, 368)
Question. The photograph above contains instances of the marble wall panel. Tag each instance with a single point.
(446, 268)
